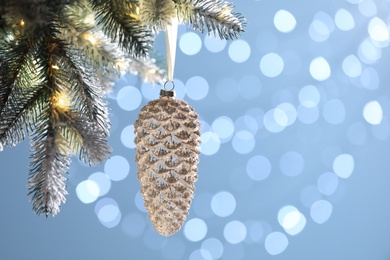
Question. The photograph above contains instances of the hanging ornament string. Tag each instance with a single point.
(170, 41)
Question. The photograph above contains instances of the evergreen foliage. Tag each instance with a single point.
(57, 62)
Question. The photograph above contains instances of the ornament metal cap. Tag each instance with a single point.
(168, 92)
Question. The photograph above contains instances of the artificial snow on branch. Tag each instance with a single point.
(58, 59)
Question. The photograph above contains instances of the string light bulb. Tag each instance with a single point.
(61, 101)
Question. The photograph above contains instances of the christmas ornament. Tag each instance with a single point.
(167, 139)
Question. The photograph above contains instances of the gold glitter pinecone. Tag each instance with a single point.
(167, 140)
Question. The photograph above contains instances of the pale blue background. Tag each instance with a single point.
(359, 225)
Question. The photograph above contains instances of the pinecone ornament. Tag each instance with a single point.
(167, 140)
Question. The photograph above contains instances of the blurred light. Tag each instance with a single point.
(320, 211)
(355, 1)
(284, 21)
(318, 31)
(200, 254)
(223, 204)
(108, 212)
(127, 136)
(210, 143)
(320, 69)
(243, 142)
(291, 220)
(378, 30)
(102, 180)
(270, 123)
(290, 111)
(321, 27)
(133, 225)
(344, 20)
(239, 51)
(129, 98)
(117, 168)
(367, 8)
(197, 88)
(343, 165)
(213, 44)
(195, 229)
(249, 87)
(292, 163)
(373, 113)
(276, 243)
(352, 66)
(234, 232)
(280, 117)
(369, 79)
(258, 168)
(213, 246)
(334, 111)
(139, 202)
(308, 115)
(327, 183)
(87, 191)
(190, 43)
(271, 65)
(205, 127)
(257, 231)
(368, 52)
(309, 96)
(224, 127)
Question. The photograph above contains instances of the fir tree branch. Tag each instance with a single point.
(120, 22)
(48, 165)
(213, 15)
(47, 181)
(14, 58)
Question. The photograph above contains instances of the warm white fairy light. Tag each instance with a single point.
(62, 101)
(90, 20)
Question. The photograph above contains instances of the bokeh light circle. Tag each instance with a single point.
(214, 247)
(275, 243)
(87, 191)
(234, 232)
(190, 43)
(258, 167)
(239, 51)
(320, 69)
(243, 142)
(117, 168)
(271, 65)
(373, 113)
(197, 88)
(292, 163)
(284, 21)
(195, 229)
(321, 211)
(129, 98)
(223, 204)
(343, 165)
